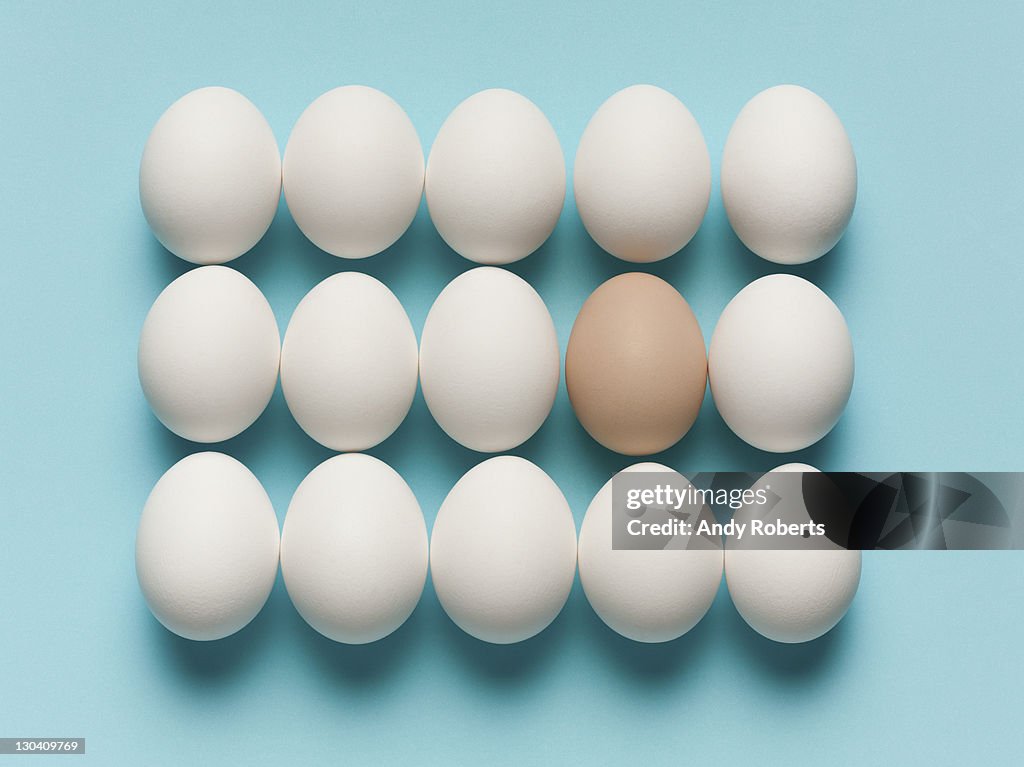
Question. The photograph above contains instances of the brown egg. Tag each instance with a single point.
(636, 367)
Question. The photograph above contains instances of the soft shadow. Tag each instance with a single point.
(654, 664)
(386, 266)
(168, 266)
(219, 661)
(824, 272)
(537, 266)
(255, 263)
(357, 666)
(596, 261)
(563, 435)
(678, 269)
(506, 665)
(419, 435)
(711, 445)
(285, 253)
(274, 433)
(789, 663)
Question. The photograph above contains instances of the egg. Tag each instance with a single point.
(348, 362)
(495, 180)
(489, 360)
(645, 595)
(642, 175)
(794, 594)
(206, 548)
(503, 551)
(353, 172)
(210, 177)
(635, 366)
(208, 354)
(789, 176)
(354, 549)
(781, 364)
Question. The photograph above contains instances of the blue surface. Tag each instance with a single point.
(926, 667)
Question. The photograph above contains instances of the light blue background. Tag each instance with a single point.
(927, 666)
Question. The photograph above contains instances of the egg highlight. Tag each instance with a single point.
(208, 354)
(210, 176)
(635, 367)
(795, 594)
(349, 362)
(489, 360)
(495, 179)
(503, 551)
(642, 175)
(646, 595)
(354, 549)
(789, 176)
(207, 547)
(353, 172)
(781, 364)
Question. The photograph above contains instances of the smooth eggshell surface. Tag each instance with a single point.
(503, 551)
(210, 177)
(354, 549)
(792, 595)
(353, 171)
(208, 354)
(348, 362)
(642, 176)
(789, 177)
(648, 595)
(635, 367)
(489, 360)
(206, 548)
(781, 364)
(495, 180)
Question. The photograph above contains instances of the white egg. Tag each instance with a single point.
(495, 180)
(645, 595)
(208, 354)
(503, 551)
(795, 594)
(353, 172)
(348, 362)
(642, 176)
(210, 177)
(781, 364)
(206, 548)
(789, 177)
(489, 360)
(354, 549)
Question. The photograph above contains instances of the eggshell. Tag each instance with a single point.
(503, 551)
(635, 366)
(208, 354)
(795, 594)
(354, 549)
(206, 548)
(210, 177)
(353, 172)
(489, 360)
(781, 364)
(789, 177)
(495, 180)
(642, 175)
(348, 362)
(648, 595)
